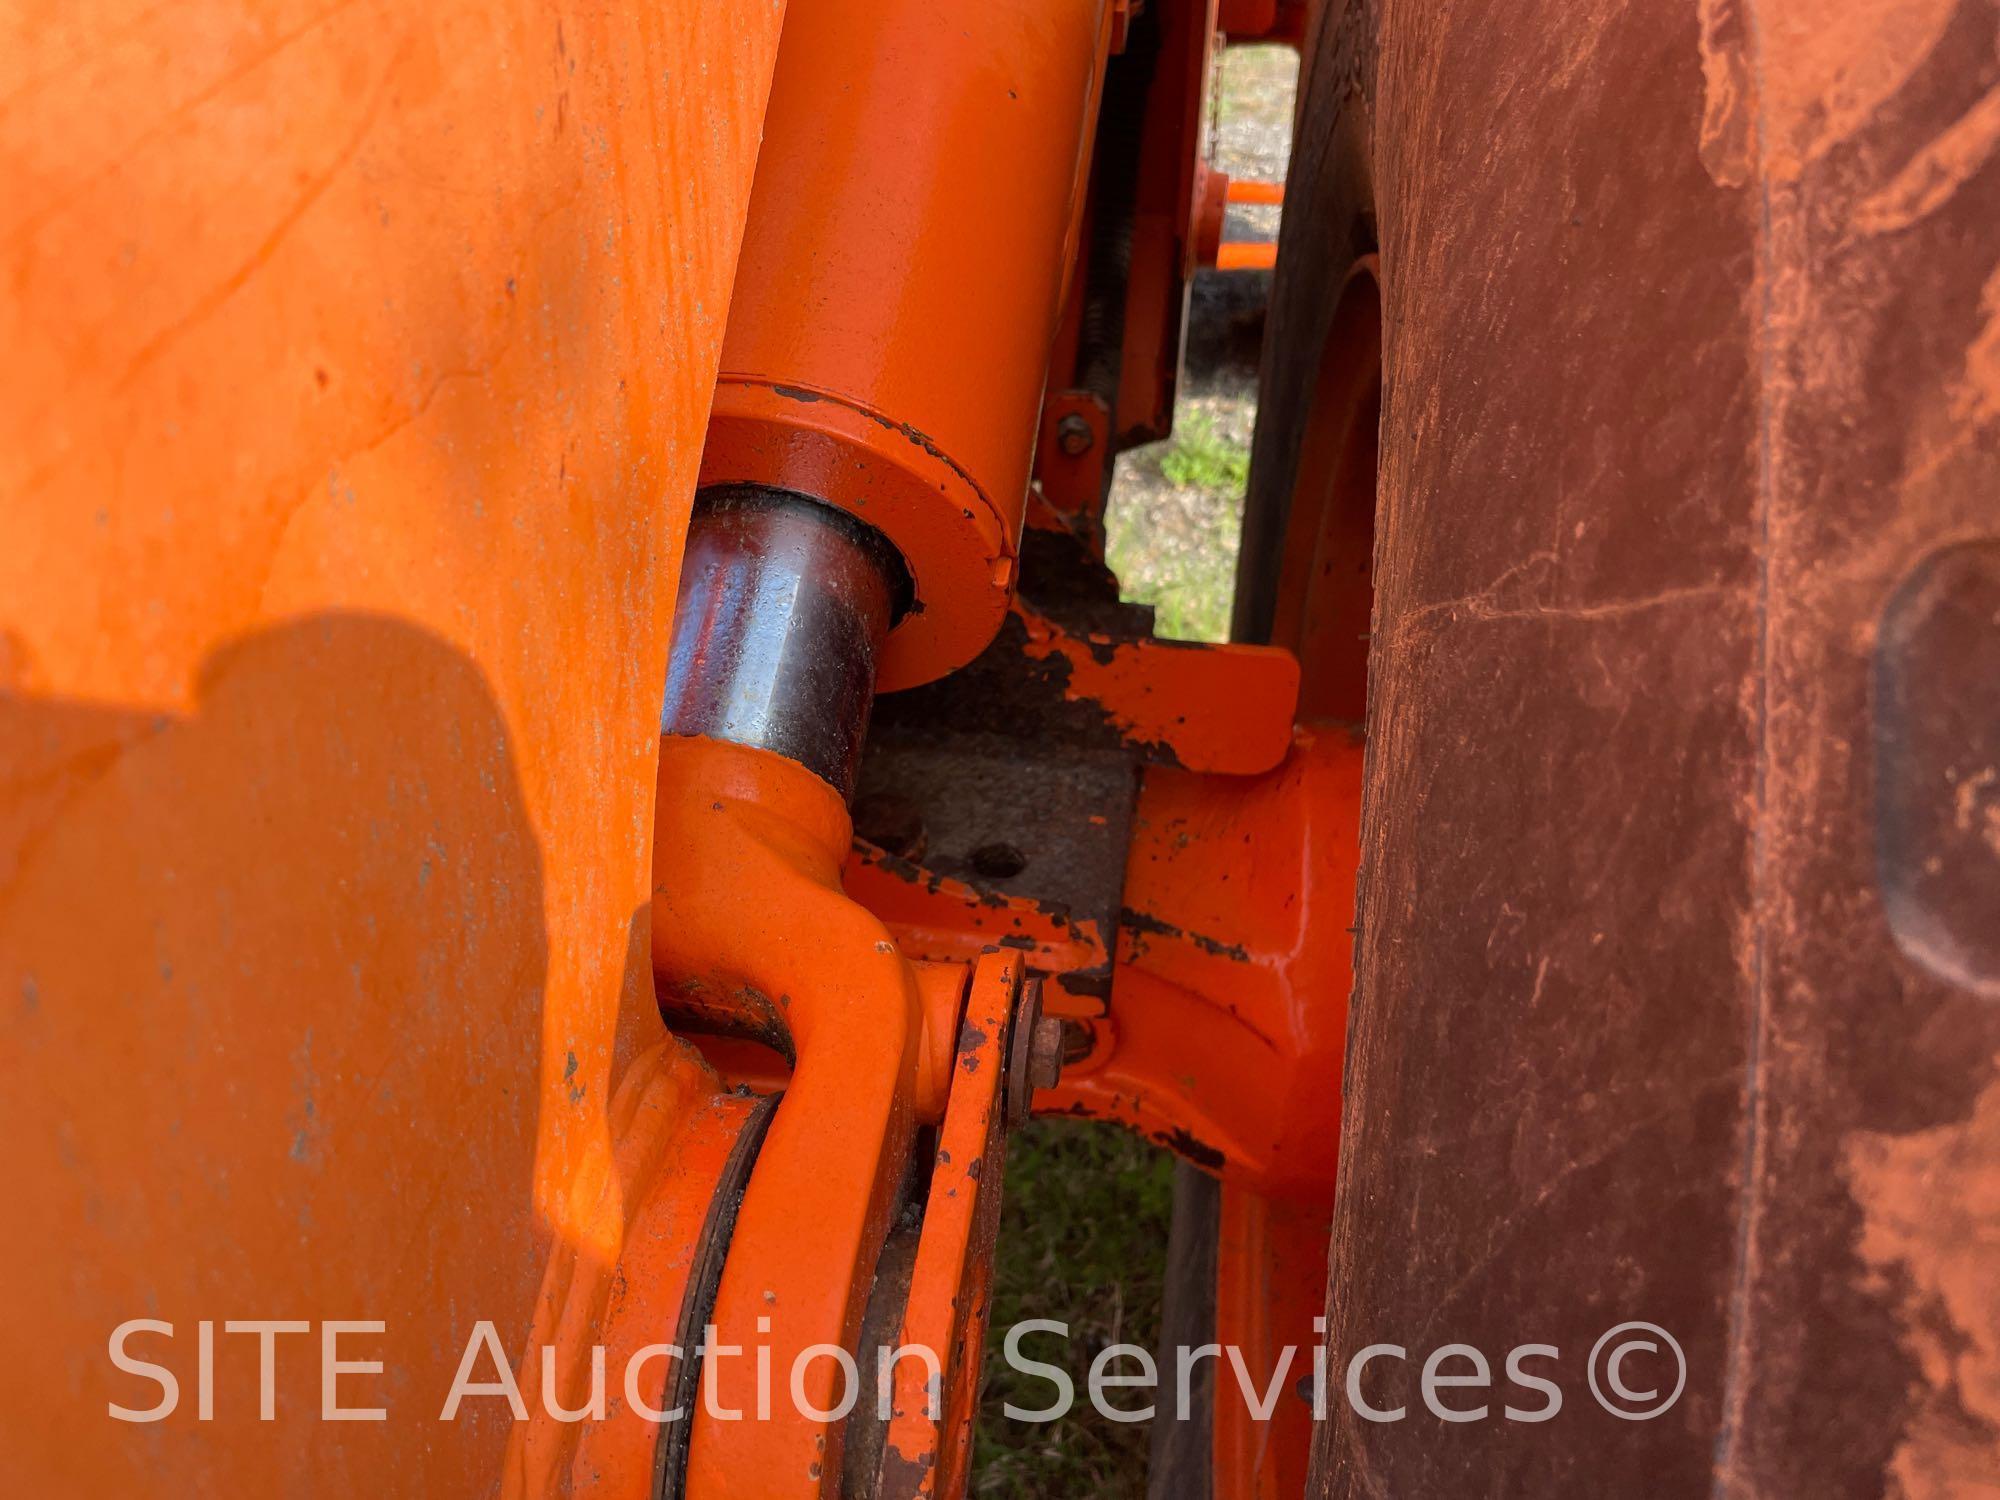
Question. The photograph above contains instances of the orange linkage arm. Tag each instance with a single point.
(747, 902)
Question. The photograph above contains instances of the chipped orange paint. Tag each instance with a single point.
(1214, 708)
(355, 429)
(1219, 1033)
(1233, 967)
(930, 1430)
(938, 918)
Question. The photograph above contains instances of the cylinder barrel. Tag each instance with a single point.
(915, 209)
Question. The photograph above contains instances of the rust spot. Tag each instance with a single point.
(903, 1477)
(1140, 921)
(1095, 983)
(912, 435)
(1199, 1152)
(1017, 681)
(1728, 95)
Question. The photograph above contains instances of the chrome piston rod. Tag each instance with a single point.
(784, 604)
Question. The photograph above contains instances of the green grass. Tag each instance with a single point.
(1200, 458)
(1176, 511)
(1191, 595)
(1083, 1240)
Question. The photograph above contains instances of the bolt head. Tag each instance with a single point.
(1073, 435)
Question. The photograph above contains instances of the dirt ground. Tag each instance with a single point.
(1084, 1235)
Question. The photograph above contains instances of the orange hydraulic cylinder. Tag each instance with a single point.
(914, 215)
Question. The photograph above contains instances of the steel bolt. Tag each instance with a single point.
(1045, 1053)
(1074, 435)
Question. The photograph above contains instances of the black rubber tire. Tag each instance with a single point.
(1677, 948)
(1329, 230)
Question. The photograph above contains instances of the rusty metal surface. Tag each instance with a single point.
(1673, 670)
(1000, 798)
(1202, 707)
(947, 920)
(1023, 1054)
(997, 808)
(1039, 841)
